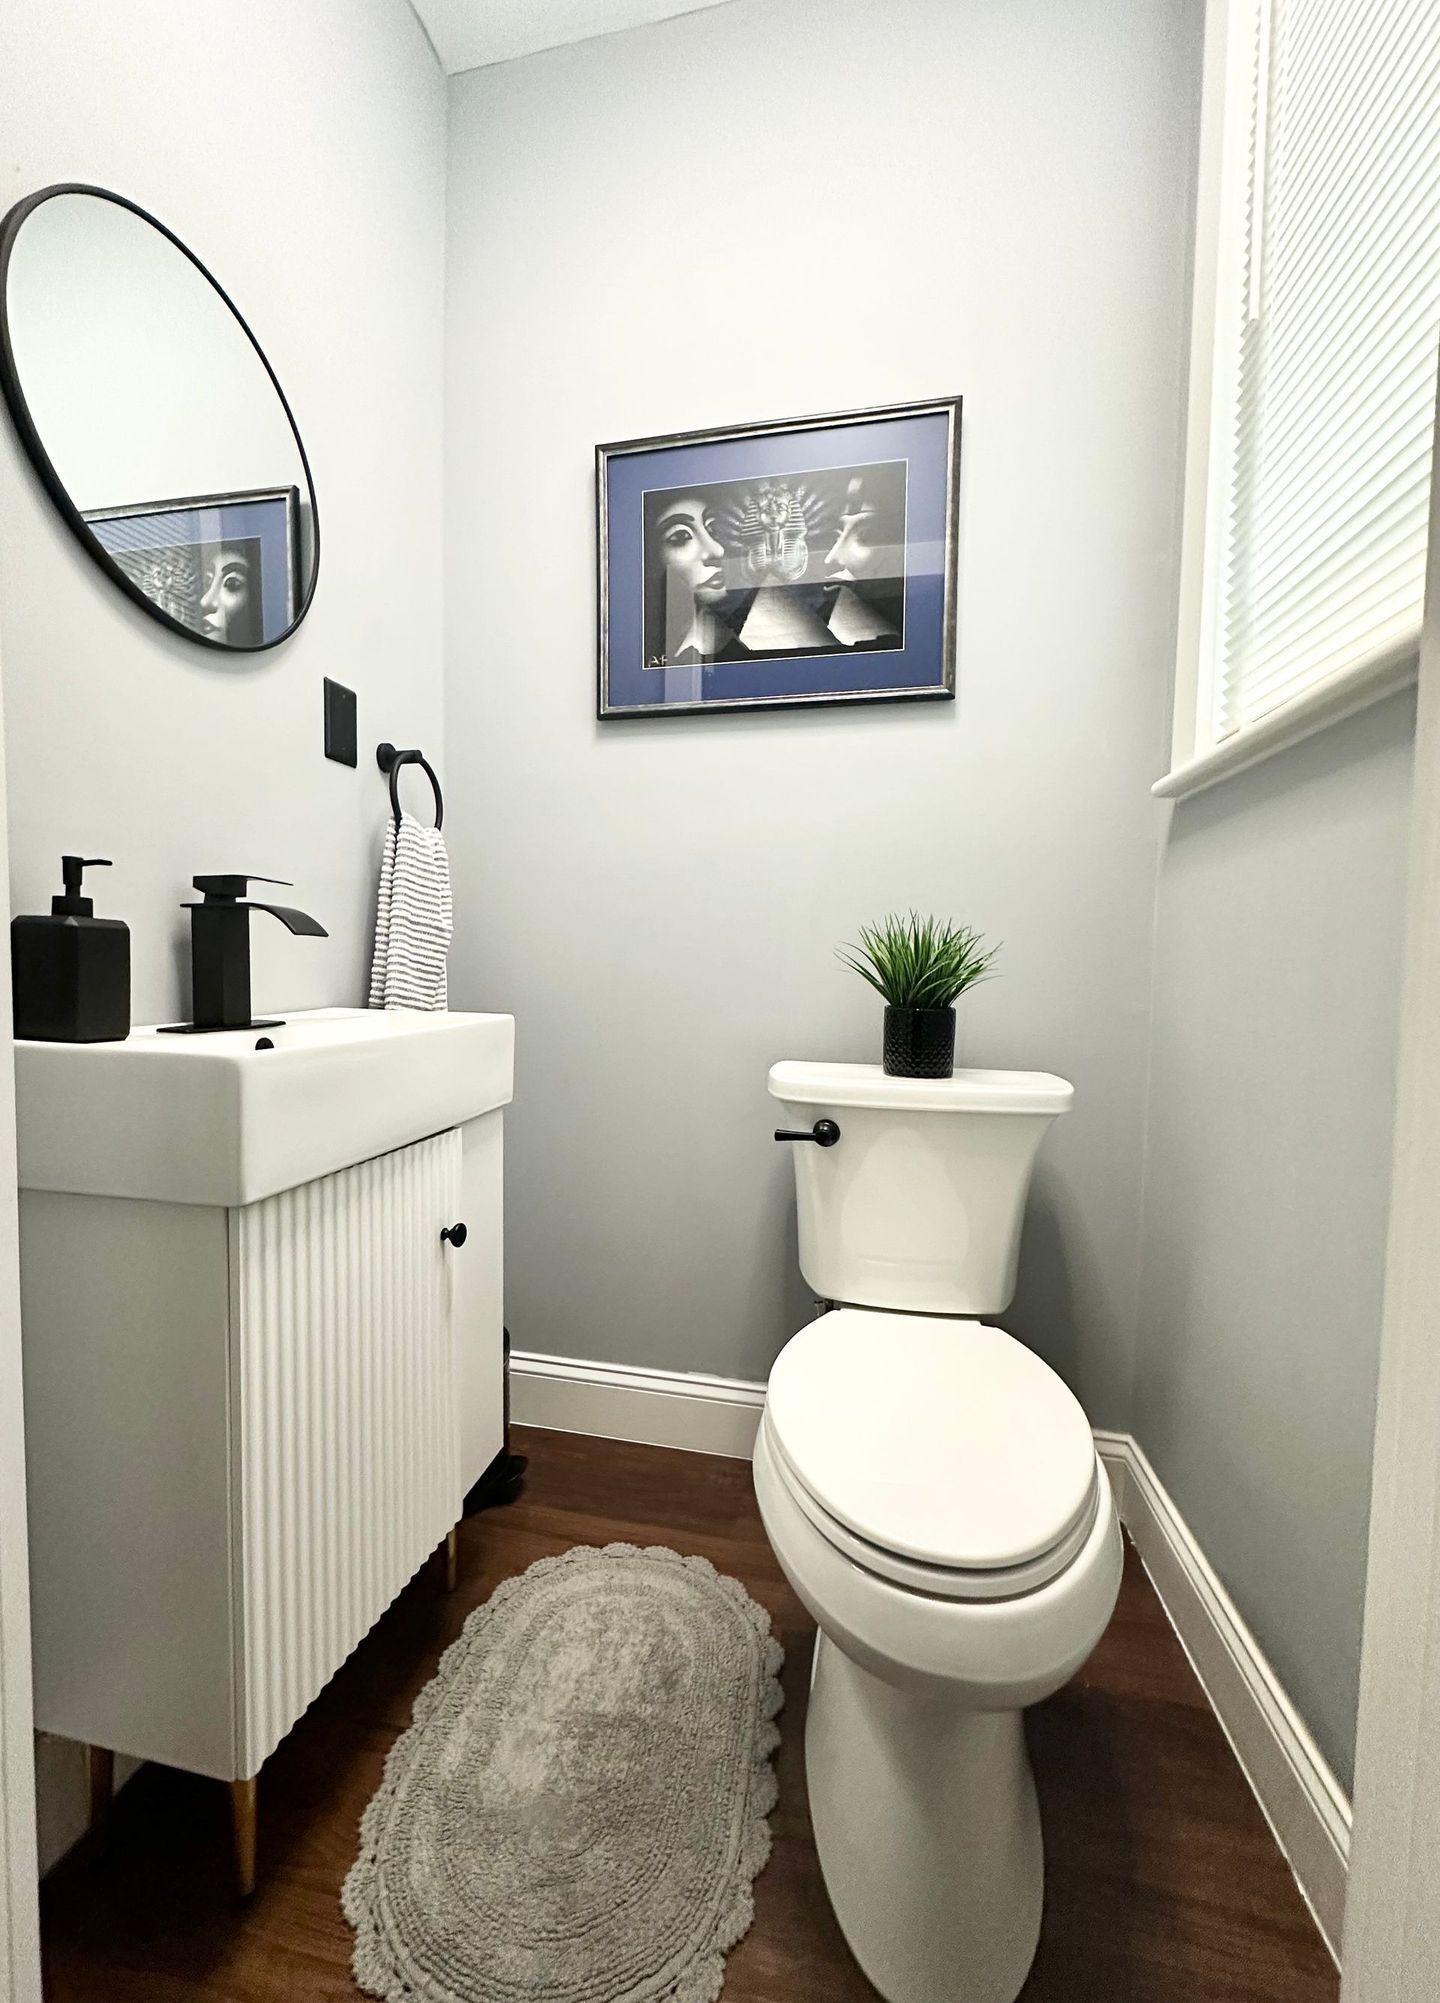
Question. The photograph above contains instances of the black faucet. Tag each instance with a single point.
(220, 949)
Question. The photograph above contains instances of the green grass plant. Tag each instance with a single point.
(917, 962)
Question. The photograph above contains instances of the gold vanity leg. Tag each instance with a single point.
(452, 1557)
(100, 1772)
(243, 1805)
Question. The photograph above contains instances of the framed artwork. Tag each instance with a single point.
(767, 565)
(225, 565)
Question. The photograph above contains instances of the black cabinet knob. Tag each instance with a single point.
(455, 1234)
(824, 1133)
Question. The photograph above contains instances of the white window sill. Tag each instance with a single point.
(1328, 702)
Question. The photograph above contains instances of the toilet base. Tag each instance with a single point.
(928, 1833)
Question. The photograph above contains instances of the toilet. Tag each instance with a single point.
(932, 1492)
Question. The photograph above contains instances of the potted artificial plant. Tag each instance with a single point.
(921, 967)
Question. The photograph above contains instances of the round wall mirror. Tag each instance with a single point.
(154, 419)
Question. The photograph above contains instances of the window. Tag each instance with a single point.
(1313, 372)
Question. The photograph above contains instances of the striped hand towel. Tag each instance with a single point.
(413, 920)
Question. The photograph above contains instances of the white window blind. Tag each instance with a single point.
(1336, 332)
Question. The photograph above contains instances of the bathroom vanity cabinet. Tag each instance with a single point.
(249, 1422)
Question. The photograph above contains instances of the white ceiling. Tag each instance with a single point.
(470, 33)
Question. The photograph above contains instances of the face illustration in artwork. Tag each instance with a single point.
(689, 551)
(225, 601)
(855, 554)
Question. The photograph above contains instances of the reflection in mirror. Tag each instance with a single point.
(154, 419)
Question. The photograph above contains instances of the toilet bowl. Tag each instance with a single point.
(931, 1490)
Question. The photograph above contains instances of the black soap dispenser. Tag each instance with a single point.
(71, 971)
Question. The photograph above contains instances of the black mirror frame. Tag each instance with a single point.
(44, 466)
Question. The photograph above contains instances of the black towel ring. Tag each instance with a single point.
(390, 760)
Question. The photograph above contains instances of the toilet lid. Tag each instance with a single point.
(941, 1440)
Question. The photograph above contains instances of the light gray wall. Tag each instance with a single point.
(1277, 978)
(765, 209)
(300, 152)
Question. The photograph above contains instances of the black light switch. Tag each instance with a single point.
(340, 739)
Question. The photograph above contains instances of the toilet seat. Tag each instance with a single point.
(938, 1453)
(991, 1583)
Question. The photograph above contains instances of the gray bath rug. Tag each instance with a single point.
(580, 1806)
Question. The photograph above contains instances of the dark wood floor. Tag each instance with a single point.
(1163, 1884)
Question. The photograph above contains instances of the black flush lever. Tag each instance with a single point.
(824, 1133)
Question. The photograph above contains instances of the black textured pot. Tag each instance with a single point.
(919, 1042)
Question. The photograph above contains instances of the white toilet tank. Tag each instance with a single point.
(919, 1203)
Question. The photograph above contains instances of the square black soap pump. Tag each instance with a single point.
(71, 971)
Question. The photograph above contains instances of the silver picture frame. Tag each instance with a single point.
(612, 703)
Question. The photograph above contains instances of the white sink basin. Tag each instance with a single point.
(215, 1120)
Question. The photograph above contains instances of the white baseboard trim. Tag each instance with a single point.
(1114, 1452)
(1304, 1804)
(1300, 1797)
(661, 1408)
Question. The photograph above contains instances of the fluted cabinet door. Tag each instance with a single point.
(345, 1454)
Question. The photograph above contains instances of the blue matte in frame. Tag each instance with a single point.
(924, 436)
(269, 518)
